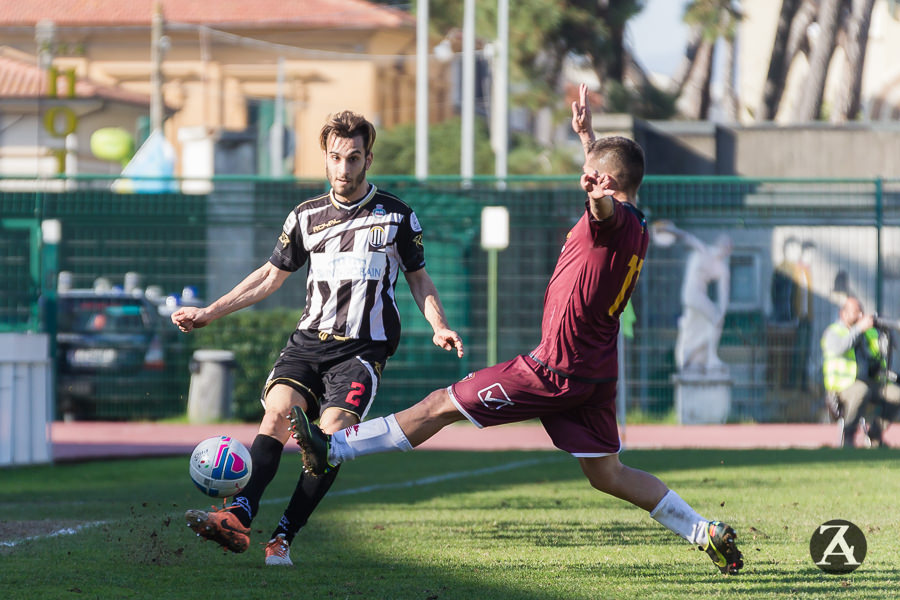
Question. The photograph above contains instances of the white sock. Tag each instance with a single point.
(378, 435)
(677, 516)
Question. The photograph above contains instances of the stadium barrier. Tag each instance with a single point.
(206, 243)
(25, 399)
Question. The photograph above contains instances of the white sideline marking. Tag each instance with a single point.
(360, 490)
(52, 534)
(434, 478)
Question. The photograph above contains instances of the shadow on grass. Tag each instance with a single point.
(437, 473)
(573, 533)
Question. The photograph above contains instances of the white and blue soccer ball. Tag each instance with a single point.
(220, 466)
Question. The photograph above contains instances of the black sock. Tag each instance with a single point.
(307, 495)
(265, 454)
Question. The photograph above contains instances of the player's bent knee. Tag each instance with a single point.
(281, 398)
(334, 419)
(440, 406)
(603, 473)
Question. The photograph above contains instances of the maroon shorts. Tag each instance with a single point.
(579, 416)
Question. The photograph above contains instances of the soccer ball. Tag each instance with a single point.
(220, 466)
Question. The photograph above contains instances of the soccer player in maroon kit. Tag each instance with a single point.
(569, 380)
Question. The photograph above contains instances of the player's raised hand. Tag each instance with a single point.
(598, 185)
(581, 116)
(448, 340)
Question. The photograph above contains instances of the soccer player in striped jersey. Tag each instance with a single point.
(569, 380)
(356, 239)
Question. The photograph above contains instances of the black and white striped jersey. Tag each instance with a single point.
(355, 253)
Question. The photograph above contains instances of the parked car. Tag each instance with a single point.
(113, 361)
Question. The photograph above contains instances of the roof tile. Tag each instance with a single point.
(345, 14)
(22, 78)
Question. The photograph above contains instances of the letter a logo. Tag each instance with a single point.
(837, 546)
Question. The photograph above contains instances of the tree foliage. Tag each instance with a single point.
(544, 33)
(395, 149)
(395, 152)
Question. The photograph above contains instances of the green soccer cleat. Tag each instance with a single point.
(314, 444)
(722, 549)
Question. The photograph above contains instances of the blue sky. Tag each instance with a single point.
(658, 35)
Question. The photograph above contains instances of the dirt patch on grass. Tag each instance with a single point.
(12, 531)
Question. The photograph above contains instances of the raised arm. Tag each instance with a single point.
(256, 286)
(581, 117)
(425, 293)
(689, 239)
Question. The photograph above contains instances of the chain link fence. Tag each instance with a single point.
(848, 233)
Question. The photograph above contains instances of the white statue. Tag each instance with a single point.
(700, 324)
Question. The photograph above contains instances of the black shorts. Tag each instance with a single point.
(330, 372)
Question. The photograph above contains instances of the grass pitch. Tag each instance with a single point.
(455, 525)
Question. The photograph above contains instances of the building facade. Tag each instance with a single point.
(236, 75)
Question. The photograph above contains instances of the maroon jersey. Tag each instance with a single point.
(594, 277)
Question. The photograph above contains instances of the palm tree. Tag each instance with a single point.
(821, 50)
(694, 37)
(854, 40)
(714, 19)
(728, 23)
(779, 63)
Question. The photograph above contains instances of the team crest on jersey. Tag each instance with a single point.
(494, 397)
(379, 211)
(377, 236)
(284, 239)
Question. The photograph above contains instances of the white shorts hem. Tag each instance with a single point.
(462, 410)
(593, 454)
(596, 454)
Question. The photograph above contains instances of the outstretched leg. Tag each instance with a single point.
(398, 432)
(646, 491)
(308, 492)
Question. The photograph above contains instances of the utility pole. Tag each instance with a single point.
(156, 100)
(276, 132)
(422, 89)
(467, 152)
(500, 104)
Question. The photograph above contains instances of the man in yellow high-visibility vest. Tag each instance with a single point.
(856, 370)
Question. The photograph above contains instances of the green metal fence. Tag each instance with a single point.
(210, 241)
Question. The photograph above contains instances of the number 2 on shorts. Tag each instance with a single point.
(356, 390)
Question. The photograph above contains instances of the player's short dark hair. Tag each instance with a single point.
(622, 154)
(348, 124)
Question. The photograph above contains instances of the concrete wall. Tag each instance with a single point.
(867, 150)
(816, 151)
